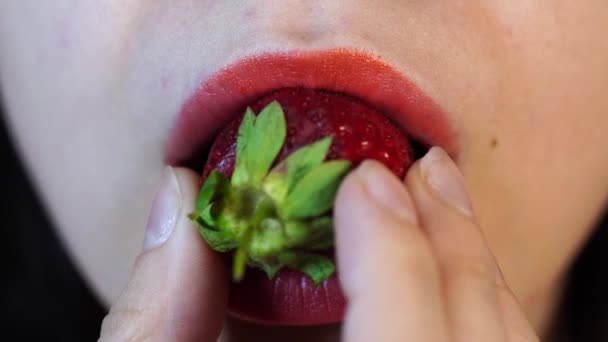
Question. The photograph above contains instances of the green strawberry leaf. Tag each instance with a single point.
(284, 176)
(315, 193)
(321, 244)
(316, 266)
(271, 269)
(267, 141)
(272, 218)
(200, 223)
(207, 209)
(209, 215)
(221, 241)
(259, 142)
(241, 168)
(269, 265)
(303, 234)
(215, 188)
(322, 237)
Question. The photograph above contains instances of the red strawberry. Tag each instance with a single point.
(270, 181)
(359, 131)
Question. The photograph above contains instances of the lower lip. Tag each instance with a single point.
(291, 298)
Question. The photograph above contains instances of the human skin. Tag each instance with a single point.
(92, 90)
(445, 291)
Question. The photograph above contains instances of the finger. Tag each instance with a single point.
(385, 263)
(178, 286)
(469, 274)
(517, 324)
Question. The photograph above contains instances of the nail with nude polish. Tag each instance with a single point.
(164, 212)
(446, 181)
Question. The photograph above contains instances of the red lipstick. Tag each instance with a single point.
(291, 297)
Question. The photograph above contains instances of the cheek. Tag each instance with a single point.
(533, 131)
(91, 98)
(89, 116)
(538, 189)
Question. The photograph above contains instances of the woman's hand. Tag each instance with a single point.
(413, 262)
(171, 295)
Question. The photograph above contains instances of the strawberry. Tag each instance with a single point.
(270, 181)
(359, 132)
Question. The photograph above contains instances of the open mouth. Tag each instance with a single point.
(291, 298)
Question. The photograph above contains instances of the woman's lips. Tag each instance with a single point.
(226, 93)
(291, 298)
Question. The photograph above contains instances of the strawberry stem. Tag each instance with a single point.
(240, 258)
(273, 217)
(258, 207)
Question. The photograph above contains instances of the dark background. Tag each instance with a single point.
(42, 297)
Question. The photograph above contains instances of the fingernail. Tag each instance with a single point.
(442, 175)
(387, 190)
(165, 209)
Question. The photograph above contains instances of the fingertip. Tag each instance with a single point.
(349, 200)
(380, 249)
(189, 183)
(378, 185)
(373, 213)
(437, 176)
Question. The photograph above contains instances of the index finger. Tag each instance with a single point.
(386, 265)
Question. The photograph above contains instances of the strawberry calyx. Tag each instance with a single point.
(272, 217)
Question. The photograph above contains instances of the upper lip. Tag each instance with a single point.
(220, 98)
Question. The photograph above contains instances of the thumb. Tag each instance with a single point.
(179, 287)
